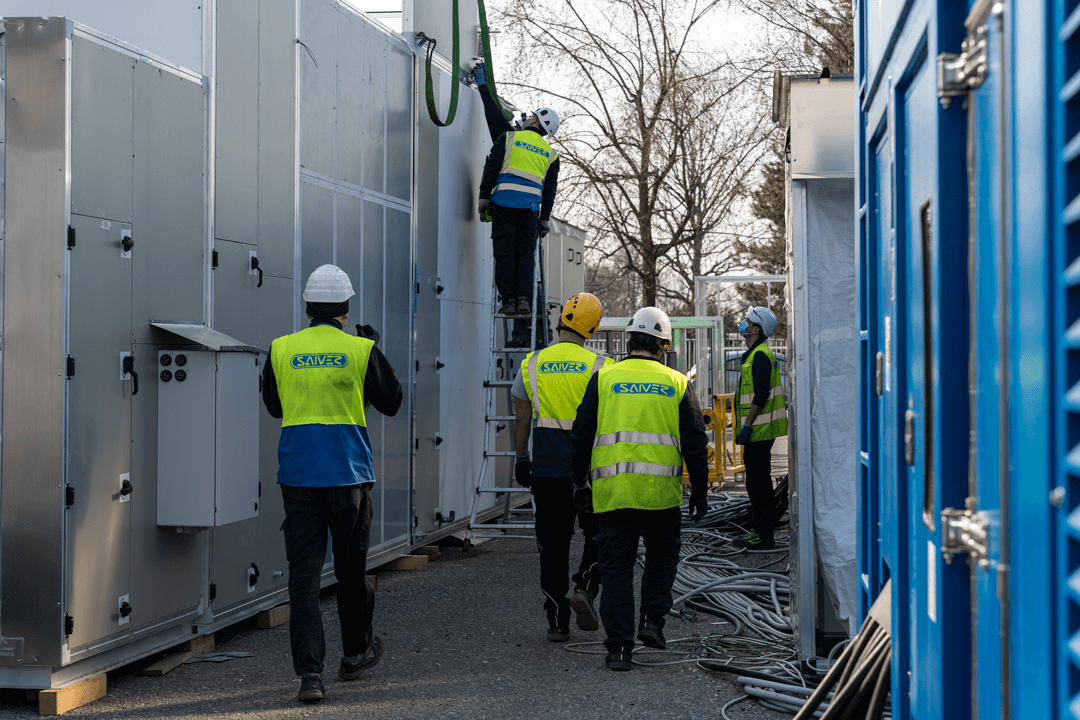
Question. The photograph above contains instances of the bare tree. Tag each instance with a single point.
(655, 157)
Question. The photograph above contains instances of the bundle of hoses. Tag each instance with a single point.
(855, 688)
(727, 513)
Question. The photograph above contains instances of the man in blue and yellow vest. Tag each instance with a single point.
(637, 424)
(521, 176)
(319, 382)
(547, 392)
(763, 416)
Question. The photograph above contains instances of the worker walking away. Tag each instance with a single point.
(518, 187)
(547, 392)
(319, 382)
(636, 426)
(763, 416)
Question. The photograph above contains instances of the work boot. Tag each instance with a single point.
(651, 634)
(558, 620)
(508, 307)
(558, 634)
(523, 307)
(311, 688)
(581, 602)
(620, 660)
(753, 542)
(351, 670)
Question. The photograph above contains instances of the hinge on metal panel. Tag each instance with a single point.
(965, 531)
(959, 73)
(69, 496)
(69, 624)
(213, 259)
(213, 592)
(71, 236)
(70, 366)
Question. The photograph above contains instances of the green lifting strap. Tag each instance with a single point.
(433, 111)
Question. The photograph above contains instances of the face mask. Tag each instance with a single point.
(743, 327)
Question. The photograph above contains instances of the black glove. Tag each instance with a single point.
(523, 473)
(366, 331)
(699, 505)
(583, 498)
(483, 209)
(543, 227)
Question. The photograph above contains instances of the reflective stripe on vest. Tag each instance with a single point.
(772, 421)
(555, 381)
(527, 157)
(636, 458)
(320, 376)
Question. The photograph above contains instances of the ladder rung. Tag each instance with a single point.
(500, 453)
(507, 526)
(502, 490)
(504, 535)
(498, 383)
(498, 418)
(521, 350)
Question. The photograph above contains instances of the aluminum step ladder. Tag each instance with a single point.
(500, 378)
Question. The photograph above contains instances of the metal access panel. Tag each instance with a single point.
(435, 18)
(822, 133)
(208, 445)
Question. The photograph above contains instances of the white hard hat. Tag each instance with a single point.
(328, 284)
(651, 321)
(548, 119)
(764, 317)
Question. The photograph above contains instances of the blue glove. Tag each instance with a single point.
(744, 435)
(478, 75)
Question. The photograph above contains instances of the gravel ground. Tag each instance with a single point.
(464, 639)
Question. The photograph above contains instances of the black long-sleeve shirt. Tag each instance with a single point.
(493, 165)
(694, 443)
(381, 386)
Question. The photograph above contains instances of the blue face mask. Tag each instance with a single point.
(743, 327)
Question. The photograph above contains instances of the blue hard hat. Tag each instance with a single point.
(764, 317)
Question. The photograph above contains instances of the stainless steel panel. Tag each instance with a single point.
(257, 541)
(275, 313)
(235, 294)
(573, 271)
(237, 141)
(426, 463)
(397, 342)
(236, 495)
(374, 245)
(399, 121)
(554, 260)
(168, 576)
(185, 442)
(100, 131)
(277, 125)
(350, 81)
(822, 139)
(374, 110)
(32, 470)
(435, 18)
(200, 334)
(316, 228)
(98, 568)
(349, 247)
(167, 227)
(429, 216)
(318, 78)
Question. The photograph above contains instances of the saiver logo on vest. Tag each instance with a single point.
(563, 366)
(532, 148)
(632, 388)
(319, 360)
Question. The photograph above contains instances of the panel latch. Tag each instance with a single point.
(959, 73)
(965, 531)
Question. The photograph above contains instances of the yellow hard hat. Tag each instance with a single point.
(582, 314)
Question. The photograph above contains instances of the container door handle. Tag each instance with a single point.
(909, 437)
(880, 365)
(129, 369)
(255, 266)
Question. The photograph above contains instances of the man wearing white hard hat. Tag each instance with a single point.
(637, 424)
(319, 382)
(763, 417)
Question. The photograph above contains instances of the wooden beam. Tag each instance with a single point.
(54, 702)
(196, 646)
(432, 551)
(272, 618)
(409, 562)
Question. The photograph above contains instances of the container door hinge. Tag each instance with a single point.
(965, 531)
(212, 593)
(70, 366)
(71, 237)
(961, 72)
(69, 496)
(69, 624)
(213, 259)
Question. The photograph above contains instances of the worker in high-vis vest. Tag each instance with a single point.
(320, 381)
(517, 190)
(547, 392)
(637, 424)
(763, 418)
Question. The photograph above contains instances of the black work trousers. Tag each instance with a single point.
(757, 457)
(619, 534)
(513, 239)
(553, 499)
(310, 512)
